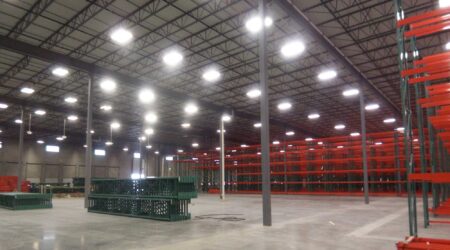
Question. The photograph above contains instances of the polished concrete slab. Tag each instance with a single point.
(299, 222)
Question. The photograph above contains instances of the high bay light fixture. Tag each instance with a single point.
(372, 106)
(72, 118)
(106, 107)
(327, 75)
(444, 3)
(146, 96)
(60, 71)
(290, 133)
(284, 106)
(190, 108)
(253, 93)
(28, 90)
(226, 118)
(339, 127)
(350, 92)
(108, 85)
(292, 49)
(149, 131)
(151, 117)
(389, 120)
(71, 99)
(115, 125)
(172, 58)
(40, 112)
(447, 45)
(121, 36)
(211, 75)
(254, 24)
(313, 116)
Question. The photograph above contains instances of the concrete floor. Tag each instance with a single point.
(299, 222)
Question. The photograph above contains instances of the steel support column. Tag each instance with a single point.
(20, 160)
(432, 150)
(264, 105)
(407, 120)
(141, 156)
(423, 161)
(397, 164)
(364, 148)
(88, 154)
(222, 159)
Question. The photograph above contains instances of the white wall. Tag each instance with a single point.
(42, 166)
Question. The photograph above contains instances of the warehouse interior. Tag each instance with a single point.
(224, 124)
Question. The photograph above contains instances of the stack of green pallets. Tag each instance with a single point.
(78, 181)
(164, 198)
(23, 201)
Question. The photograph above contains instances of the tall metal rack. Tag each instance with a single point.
(321, 166)
(423, 83)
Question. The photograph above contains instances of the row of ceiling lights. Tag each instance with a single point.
(346, 93)
(122, 37)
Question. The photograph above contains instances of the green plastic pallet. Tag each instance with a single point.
(133, 206)
(24, 201)
(163, 187)
(78, 181)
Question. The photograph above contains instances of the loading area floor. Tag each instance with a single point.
(299, 222)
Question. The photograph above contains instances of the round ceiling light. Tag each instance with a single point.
(327, 75)
(121, 36)
(292, 49)
(284, 106)
(254, 93)
(172, 58)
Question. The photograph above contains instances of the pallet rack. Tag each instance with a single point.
(327, 166)
(25, 201)
(415, 243)
(165, 198)
(425, 77)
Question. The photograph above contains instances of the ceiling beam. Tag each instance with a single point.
(77, 139)
(103, 118)
(55, 57)
(298, 16)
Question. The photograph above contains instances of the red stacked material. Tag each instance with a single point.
(443, 209)
(213, 190)
(415, 243)
(9, 184)
(429, 71)
(332, 166)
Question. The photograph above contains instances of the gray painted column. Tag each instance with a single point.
(88, 154)
(140, 158)
(264, 105)
(222, 160)
(20, 160)
(364, 146)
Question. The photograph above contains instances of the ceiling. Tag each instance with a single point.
(209, 34)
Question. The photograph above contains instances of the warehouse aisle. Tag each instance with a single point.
(300, 222)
